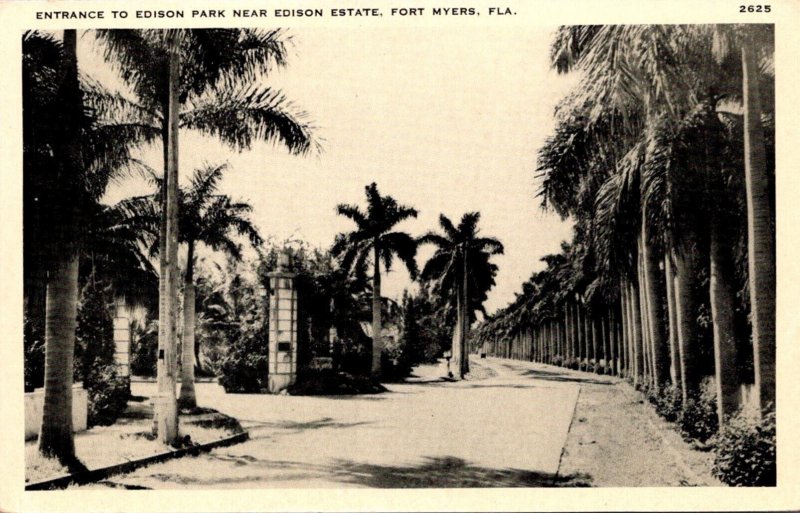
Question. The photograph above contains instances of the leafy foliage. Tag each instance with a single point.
(330, 382)
(698, 419)
(459, 249)
(244, 367)
(373, 232)
(94, 356)
(144, 349)
(34, 355)
(108, 394)
(745, 451)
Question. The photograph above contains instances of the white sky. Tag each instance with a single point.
(444, 120)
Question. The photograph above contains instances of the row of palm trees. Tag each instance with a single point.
(460, 272)
(76, 131)
(663, 157)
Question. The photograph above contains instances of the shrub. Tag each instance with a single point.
(745, 451)
(557, 360)
(396, 359)
(108, 394)
(94, 356)
(698, 418)
(144, 350)
(355, 356)
(394, 365)
(244, 368)
(34, 355)
(599, 368)
(668, 402)
(330, 382)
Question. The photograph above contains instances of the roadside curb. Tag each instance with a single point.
(566, 438)
(97, 474)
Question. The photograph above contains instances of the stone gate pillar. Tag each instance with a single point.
(282, 327)
(122, 337)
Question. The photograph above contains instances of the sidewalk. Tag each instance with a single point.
(617, 438)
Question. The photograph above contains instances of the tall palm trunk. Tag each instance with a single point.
(567, 335)
(655, 301)
(593, 321)
(722, 307)
(188, 397)
(686, 303)
(604, 336)
(642, 303)
(55, 435)
(579, 334)
(377, 341)
(638, 347)
(166, 410)
(560, 341)
(61, 296)
(626, 336)
(465, 316)
(615, 342)
(459, 360)
(760, 236)
(674, 357)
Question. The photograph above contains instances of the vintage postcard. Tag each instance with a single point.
(313, 256)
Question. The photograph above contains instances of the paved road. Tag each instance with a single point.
(507, 429)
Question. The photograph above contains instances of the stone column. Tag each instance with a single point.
(122, 337)
(282, 328)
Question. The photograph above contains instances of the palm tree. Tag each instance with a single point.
(62, 141)
(70, 156)
(201, 80)
(373, 240)
(464, 275)
(760, 229)
(210, 219)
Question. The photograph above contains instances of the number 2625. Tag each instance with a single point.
(755, 8)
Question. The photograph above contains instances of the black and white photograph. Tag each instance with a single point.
(427, 248)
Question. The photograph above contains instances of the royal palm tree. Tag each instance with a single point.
(200, 80)
(70, 155)
(463, 272)
(210, 219)
(755, 45)
(373, 240)
(207, 218)
(53, 137)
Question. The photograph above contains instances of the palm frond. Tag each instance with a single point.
(256, 113)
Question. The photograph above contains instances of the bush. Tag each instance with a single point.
(557, 360)
(244, 368)
(94, 356)
(144, 350)
(330, 382)
(698, 420)
(745, 451)
(108, 394)
(668, 402)
(394, 365)
(599, 368)
(34, 355)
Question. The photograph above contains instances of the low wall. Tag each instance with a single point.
(34, 407)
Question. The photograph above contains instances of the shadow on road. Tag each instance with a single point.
(556, 376)
(450, 472)
(289, 427)
(433, 472)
